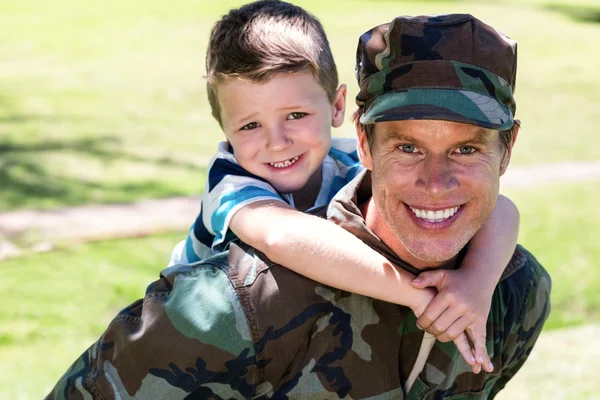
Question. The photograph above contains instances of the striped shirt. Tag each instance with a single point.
(230, 187)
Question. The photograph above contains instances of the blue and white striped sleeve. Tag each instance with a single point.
(229, 188)
(346, 165)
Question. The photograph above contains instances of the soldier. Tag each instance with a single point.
(436, 129)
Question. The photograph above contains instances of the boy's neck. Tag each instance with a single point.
(305, 198)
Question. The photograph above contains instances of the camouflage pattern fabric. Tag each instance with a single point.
(237, 326)
(451, 67)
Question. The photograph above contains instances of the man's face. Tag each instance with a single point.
(435, 183)
(280, 130)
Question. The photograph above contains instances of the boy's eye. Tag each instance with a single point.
(466, 150)
(249, 127)
(296, 115)
(408, 148)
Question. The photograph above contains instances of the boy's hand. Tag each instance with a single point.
(465, 348)
(462, 342)
(460, 307)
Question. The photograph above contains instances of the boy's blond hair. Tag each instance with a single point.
(264, 38)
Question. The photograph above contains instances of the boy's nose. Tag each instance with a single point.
(278, 139)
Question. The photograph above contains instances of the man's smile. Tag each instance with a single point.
(435, 215)
(438, 218)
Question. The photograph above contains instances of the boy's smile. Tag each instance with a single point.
(286, 163)
(280, 129)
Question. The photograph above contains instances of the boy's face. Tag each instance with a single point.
(280, 130)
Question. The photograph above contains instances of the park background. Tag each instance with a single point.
(104, 102)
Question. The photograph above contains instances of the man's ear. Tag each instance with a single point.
(364, 151)
(506, 158)
(339, 107)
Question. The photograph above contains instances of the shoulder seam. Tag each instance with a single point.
(249, 314)
(253, 328)
(530, 285)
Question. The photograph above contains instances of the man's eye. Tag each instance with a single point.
(249, 127)
(296, 115)
(466, 149)
(408, 148)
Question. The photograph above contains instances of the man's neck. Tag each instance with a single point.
(381, 229)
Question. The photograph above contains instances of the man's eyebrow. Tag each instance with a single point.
(399, 136)
(481, 137)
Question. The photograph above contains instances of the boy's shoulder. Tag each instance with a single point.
(224, 164)
(344, 150)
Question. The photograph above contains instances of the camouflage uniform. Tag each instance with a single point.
(238, 326)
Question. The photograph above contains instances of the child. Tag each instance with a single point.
(273, 88)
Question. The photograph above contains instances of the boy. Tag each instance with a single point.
(272, 86)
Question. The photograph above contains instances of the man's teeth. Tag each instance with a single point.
(435, 216)
(284, 164)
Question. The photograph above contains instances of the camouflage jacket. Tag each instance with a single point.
(238, 326)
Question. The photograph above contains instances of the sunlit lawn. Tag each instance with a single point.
(560, 224)
(104, 101)
(56, 304)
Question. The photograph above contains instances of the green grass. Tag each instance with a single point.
(560, 224)
(104, 101)
(56, 304)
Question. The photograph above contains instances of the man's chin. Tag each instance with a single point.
(432, 253)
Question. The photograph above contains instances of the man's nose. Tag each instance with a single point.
(437, 176)
(278, 138)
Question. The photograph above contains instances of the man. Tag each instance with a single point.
(436, 129)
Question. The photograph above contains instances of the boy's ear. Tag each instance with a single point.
(364, 151)
(339, 107)
(506, 159)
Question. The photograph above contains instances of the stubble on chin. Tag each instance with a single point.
(432, 251)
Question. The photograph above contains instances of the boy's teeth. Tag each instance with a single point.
(435, 216)
(286, 163)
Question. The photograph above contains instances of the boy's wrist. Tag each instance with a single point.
(484, 279)
(421, 301)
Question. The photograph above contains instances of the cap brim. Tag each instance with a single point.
(440, 104)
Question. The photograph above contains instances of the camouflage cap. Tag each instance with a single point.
(449, 67)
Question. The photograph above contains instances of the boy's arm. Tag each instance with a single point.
(464, 295)
(326, 253)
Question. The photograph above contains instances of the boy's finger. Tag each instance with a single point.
(433, 311)
(464, 347)
(454, 329)
(478, 337)
(429, 278)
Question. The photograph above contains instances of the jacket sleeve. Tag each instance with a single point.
(525, 330)
(188, 335)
